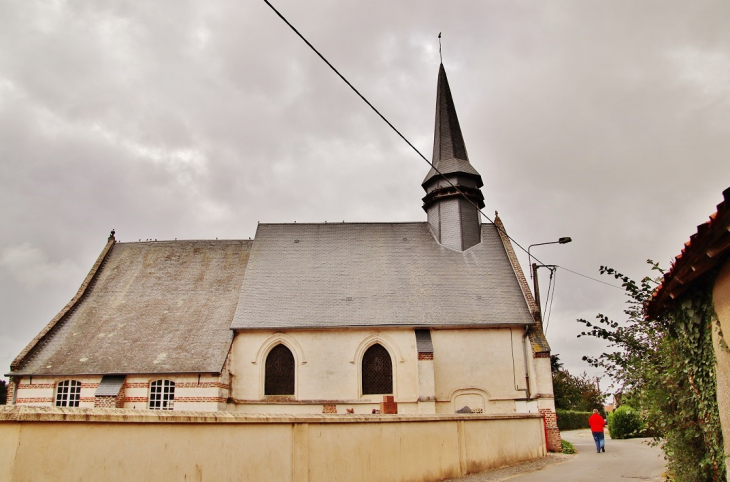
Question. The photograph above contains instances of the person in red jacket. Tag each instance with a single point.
(597, 423)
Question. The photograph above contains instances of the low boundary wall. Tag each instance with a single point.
(38, 443)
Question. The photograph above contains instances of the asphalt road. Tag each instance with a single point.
(624, 460)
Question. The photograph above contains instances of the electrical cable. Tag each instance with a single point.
(549, 309)
(408, 142)
(593, 279)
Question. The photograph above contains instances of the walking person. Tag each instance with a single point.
(597, 423)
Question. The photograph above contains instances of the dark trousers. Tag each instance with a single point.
(598, 438)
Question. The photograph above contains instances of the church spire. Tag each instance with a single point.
(452, 196)
(448, 142)
(449, 149)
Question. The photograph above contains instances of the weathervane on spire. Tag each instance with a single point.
(442, 59)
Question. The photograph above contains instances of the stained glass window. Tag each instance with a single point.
(279, 378)
(377, 371)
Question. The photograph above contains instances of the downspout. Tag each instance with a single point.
(527, 366)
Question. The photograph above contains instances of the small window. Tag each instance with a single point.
(377, 371)
(279, 378)
(162, 395)
(68, 393)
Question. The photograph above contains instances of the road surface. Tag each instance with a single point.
(624, 460)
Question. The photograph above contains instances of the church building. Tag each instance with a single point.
(308, 318)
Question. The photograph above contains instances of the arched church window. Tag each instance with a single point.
(68, 393)
(377, 371)
(162, 395)
(279, 378)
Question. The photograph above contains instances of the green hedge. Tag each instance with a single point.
(572, 420)
(625, 422)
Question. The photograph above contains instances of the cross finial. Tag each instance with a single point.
(440, 57)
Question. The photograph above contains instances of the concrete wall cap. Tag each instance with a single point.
(121, 415)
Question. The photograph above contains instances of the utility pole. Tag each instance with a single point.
(537, 294)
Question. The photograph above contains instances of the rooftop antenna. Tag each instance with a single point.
(442, 59)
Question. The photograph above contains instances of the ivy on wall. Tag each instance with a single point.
(666, 369)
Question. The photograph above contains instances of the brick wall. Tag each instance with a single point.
(552, 432)
(105, 402)
(11, 391)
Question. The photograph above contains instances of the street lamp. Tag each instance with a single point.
(533, 271)
(563, 240)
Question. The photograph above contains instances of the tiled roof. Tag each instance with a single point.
(449, 149)
(153, 307)
(375, 274)
(706, 249)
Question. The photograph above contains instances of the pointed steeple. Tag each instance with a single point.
(449, 149)
(452, 197)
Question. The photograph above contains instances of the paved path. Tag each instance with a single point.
(624, 460)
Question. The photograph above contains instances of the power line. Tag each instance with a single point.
(407, 141)
(549, 308)
(594, 279)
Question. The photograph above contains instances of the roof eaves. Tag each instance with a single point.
(704, 250)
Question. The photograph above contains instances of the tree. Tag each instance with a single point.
(579, 393)
(666, 367)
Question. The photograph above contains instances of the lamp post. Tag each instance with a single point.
(533, 272)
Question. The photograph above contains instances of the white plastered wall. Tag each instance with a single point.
(479, 368)
(482, 368)
(327, 364)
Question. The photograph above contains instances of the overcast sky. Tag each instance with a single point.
(604, 121)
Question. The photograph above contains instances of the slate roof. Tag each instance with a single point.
(449, 149)
(375, 274)
(152, 307)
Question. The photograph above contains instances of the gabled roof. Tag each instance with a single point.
(706, 249)
(306, 276)
(150, 307)
(449, 149)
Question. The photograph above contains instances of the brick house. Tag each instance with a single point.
(309, 318)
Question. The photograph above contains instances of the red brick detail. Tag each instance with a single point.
(552, 432)
(388, 405)
(36, 386)
(200, 399)
(425, 356)
(329, 408)
(135, 399)
(34, 400)
(120, 398)
(137, 385)
(541, 354)
(516, 267)
(105, 402)
(203, 385)
(90, 385)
